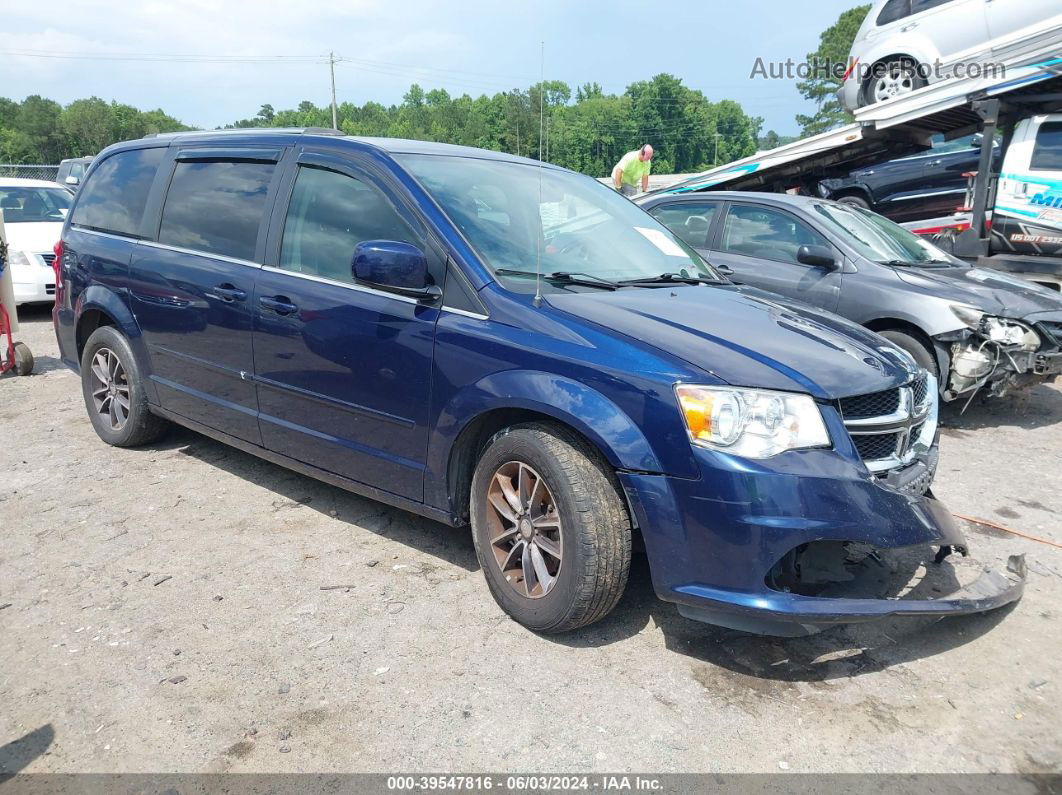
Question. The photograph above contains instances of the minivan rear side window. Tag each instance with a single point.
(1047, 153)
(113, 199)
(216, 206)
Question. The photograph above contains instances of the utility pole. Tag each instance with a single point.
(715, 155)
(332, 69)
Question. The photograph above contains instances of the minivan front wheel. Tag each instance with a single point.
(550, 528)
(114, 391)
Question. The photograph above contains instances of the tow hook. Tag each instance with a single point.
(946, 550)
(1040, 365)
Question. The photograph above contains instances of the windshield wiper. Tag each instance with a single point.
(904, 263)
(565, 277)
(669, 278)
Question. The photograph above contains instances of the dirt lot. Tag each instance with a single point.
(163, 611)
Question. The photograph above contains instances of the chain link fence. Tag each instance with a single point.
(28, 171)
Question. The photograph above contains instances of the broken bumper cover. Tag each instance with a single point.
(712, 543)
(794, 615)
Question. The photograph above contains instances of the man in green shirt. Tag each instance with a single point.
(633, 168)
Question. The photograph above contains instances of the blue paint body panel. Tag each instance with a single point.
(372, 391)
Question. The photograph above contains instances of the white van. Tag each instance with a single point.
(1027, 217)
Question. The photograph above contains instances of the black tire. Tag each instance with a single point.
(595, 531)
(914, 346)
(854, 201)
(898, 72)
(23, 359)
(140, 426)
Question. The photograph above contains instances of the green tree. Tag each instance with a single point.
(834, 45)
(88, 126)
(38, 118)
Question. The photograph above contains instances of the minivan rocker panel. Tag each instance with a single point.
(514, 347)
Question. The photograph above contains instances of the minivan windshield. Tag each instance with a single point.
(23, 205)
(879, 239)
(512, 213)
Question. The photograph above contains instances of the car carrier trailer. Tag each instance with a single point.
(1029, 83)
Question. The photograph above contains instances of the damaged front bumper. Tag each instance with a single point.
(730, 548)
(980, 362)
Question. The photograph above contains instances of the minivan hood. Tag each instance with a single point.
(748, 337)
(991, 291)
(35, 237)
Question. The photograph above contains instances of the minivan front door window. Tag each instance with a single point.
(329, 214)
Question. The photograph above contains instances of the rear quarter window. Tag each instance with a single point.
(113, 198)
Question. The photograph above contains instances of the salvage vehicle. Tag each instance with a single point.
(972, 328)
(903, 45)
(34, 210)
(72, 171)
(490, 341)
(915, 187)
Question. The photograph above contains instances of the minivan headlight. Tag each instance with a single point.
(754, 423)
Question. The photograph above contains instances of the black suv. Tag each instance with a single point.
(912, 188)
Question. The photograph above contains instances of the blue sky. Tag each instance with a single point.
(474, 47)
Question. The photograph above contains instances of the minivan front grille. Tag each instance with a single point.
(876, 404)
(884, 426)
(874, 446)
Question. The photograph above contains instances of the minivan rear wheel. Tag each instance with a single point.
(551, 530)
(114, 394)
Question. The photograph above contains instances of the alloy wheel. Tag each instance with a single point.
(524, 529)
(898, 81)
(110, 388)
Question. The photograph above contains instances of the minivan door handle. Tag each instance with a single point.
(229, 293)
(280, 304)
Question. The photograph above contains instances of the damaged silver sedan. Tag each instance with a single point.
(976, 330)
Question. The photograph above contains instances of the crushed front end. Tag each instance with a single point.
(998, 354)
(792, 544)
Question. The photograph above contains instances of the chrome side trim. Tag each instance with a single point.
(465, 313)
(86, 231)
(194, 253)
(359, 288)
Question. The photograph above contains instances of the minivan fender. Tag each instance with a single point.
(582, 408)
(98, 298)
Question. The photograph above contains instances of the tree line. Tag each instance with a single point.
(39, 130)
(587, 129)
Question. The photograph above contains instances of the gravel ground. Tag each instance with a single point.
(163, 610)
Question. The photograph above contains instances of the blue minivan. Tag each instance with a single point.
(491, 341)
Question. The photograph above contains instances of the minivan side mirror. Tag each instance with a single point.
(819, 256)
(71, 180)
(975, 140)
(395, 267)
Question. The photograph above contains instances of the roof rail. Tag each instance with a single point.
(251, 131)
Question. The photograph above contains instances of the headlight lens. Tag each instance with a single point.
(998, 329)
(18, 258)
(753, 423)
(1008, 332)
(970, 316)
